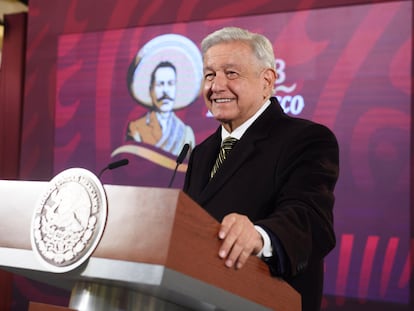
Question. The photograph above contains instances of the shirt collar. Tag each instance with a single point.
(239, 131)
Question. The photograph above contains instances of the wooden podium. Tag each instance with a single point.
(159, 248)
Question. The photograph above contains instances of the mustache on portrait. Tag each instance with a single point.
(164, 97)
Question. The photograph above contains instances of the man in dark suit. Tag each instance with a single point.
(273, 192)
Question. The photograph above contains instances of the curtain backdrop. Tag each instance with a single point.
(11, 100)
(11, 93)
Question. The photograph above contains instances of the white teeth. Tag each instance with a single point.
(222, 100)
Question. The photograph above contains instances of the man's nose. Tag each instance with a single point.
(219, 83)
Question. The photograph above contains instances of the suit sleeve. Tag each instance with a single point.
(302, 219)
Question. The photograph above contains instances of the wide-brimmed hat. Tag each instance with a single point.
(176, 49)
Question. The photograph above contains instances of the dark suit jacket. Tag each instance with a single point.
(281, 174)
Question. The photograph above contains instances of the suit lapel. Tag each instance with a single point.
(244, 149)
(203, 164)
(241, 151)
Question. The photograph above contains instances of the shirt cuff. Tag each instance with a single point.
(267, 250)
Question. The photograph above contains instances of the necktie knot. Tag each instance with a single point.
(226, 146)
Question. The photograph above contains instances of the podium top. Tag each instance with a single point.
(155, 240)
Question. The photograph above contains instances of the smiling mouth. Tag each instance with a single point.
(221, 100)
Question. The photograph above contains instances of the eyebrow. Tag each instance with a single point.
(224, 67)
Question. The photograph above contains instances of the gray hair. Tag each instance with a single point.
(260, 45)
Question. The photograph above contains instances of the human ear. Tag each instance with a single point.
(269, 78)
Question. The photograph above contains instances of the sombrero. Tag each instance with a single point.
(178, 50)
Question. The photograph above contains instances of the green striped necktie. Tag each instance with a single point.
(225, 149)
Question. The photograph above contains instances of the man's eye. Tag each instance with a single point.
(232, 74)
(209, 76)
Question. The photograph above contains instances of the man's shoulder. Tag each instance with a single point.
(141, 121)
(281, 126)
(306, 129)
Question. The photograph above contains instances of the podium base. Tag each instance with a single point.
(87, 296)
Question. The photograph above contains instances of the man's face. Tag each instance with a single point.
(235, 84)
(163, 89)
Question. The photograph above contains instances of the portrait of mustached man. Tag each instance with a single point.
(164, 77)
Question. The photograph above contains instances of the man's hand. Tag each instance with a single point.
(240, 240)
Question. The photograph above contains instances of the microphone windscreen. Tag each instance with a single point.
(183, 154)
(119, 163)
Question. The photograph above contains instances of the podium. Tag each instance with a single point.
(158, 251)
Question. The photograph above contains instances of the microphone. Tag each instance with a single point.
(113, 165)
(179, 160)
(119, 163)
